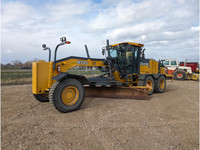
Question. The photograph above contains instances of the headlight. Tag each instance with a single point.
(44, 46)
(63, 39)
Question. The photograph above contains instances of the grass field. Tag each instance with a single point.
(19, 77)
(15, 77)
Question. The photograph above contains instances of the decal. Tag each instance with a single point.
(81, 62)
(144, 64)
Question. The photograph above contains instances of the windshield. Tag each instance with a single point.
(165, 63)
(113, 52)
(117, 51)
(173, 63)
(126, 58)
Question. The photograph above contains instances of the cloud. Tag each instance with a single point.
(15, 13)
(8, 51)
(169, 29)
(67, 10)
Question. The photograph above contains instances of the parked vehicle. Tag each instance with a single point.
(172, 69)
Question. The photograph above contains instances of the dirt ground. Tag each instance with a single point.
(165, 121)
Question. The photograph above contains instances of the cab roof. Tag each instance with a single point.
(131, 43)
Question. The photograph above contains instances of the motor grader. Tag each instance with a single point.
(125, 74)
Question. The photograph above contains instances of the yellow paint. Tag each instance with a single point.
(152, 68)
(70, 63)
(34, 77)
(131, 43)
(162, 70)
(43, 72)
(70, 95)
(117, 77)
(162, 84)
(194, 76)
(40, 77)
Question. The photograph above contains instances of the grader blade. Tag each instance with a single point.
(117, 92)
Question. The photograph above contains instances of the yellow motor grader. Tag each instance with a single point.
(125, 74)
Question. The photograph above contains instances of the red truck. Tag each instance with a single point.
(194, 65)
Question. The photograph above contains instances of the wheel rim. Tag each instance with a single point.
(179, 75)
(149, 83)
(162, 84)
(70, 95)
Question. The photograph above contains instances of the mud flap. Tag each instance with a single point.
(117, 92)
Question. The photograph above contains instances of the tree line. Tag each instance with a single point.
(17, 64)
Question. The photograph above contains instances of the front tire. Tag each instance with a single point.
(68, 95)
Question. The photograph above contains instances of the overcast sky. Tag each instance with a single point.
(167, 28)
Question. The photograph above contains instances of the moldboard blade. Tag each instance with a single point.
(117, 92)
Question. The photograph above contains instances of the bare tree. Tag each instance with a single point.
(17, 63)
(28, 63)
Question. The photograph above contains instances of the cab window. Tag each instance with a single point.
(165, 63)
(173, 63)
(113, 53)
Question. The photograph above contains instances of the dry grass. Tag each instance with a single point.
(15, 77)
(16, 81)
(20, 77)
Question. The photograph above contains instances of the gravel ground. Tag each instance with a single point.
(165, 121)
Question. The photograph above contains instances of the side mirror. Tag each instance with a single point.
(103, 51)
(47, 48)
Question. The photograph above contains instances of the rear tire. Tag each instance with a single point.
(68, 95)
(41, 98)
(160, 84)
(150, 81)
(179, 75)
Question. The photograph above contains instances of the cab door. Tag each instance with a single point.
(128, 59)
(136, 60)
(132, 60)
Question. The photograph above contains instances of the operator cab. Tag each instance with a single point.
(126, 56)
(168, 63)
